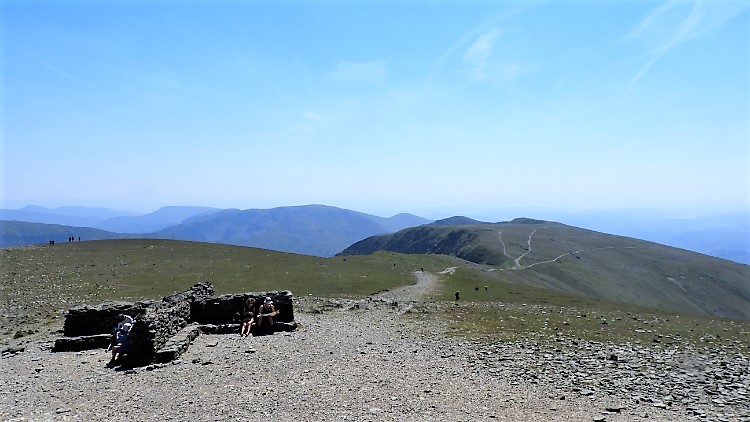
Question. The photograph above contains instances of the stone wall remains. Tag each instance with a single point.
(226, 309)
(164, 319)
(88, 320)
(162, 330)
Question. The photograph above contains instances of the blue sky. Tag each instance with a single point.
(434, 108)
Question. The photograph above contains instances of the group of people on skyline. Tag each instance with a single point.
(70, 239)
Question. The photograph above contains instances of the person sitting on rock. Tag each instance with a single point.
(121, 345)
(123, 319)
(248, 317)
(266, 313)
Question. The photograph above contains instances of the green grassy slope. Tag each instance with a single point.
(573, 260)
(38, 284)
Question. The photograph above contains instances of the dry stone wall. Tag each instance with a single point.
(224, 309)
(164, 329)
(163, 320)
(88, 320)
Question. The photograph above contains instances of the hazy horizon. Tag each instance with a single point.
(436, 109)
(628, 215)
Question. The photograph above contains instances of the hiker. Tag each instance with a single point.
(457, 293)
(248, 317)
(266, 313)
(121, 342)
(122, 320)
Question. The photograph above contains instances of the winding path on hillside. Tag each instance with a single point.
(517, 260)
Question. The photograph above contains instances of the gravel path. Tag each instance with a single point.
(378, 359)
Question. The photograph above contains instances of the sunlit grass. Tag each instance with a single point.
(39, 285)
(494, 311)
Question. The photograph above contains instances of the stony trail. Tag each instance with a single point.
(426, 284)
(383, 358)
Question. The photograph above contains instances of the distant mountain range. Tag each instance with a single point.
(325, 231)
(162, 218)
(311, 229)
(525, 251)
(66, 216)
(574, 260)
(105, 219)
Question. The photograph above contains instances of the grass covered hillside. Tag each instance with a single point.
(40, 283)
(569, 259)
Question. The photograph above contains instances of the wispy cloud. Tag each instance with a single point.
(472, 37)
(46, 64)
(161, 90)
(481, 49)
(360, 73)
(483, 65)
(312, 121)
(322, 119)
(677, 22)
(479, 54)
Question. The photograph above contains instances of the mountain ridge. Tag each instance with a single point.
(311, 229)
(307, 229)
(725, 235)
(68, 216)
(155, 221)
(574, 260)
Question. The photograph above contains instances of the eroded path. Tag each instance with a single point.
(426, 285)
(517, 260)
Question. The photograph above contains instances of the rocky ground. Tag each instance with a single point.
(384, 358)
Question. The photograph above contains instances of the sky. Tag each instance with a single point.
(428, 107)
